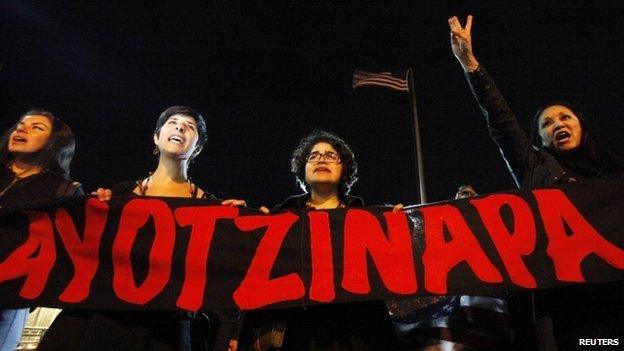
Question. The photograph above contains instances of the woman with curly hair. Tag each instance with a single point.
(325, 168)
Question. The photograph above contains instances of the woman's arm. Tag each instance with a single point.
(502, 123)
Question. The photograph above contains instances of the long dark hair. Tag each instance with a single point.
(56, 156)
(347, 158)
(190, 112)
(591, 158)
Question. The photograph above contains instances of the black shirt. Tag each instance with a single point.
(40, 186)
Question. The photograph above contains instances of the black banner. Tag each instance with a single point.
(171, 253)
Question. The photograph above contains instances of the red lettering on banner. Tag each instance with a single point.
(392, 255)
(568, 251)
(511, 245)
(84, 252)
(203, 220)
(135, 215)
(257, 289)
(441, 256)
(21, 263)
(322, 282)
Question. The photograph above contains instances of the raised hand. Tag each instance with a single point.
(461, 43)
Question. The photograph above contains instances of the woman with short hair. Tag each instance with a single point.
(179, 137)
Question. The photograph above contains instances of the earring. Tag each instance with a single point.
(155, 152)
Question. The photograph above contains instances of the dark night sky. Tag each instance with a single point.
(264, 75)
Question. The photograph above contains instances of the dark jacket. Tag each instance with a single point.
(529, 167)
(299, 201)
(37, 187)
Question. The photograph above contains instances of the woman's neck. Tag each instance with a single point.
(324, 199)
(169, 179)
(23, 168)
(170, 171)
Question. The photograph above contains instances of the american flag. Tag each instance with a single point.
(396, 80)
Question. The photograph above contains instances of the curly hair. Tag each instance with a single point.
(347, 158)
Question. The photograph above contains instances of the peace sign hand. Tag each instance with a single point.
(461, 43)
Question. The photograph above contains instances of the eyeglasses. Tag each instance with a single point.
(329, 157)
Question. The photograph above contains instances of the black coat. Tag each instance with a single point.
(37, 187)
(528, 166)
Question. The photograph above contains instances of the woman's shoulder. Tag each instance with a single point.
(292, 202)
(352, 201)
(125, 188)
(299, 201)
(64, 187)
(202, 194)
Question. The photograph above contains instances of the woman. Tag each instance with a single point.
(325, 168)
(35, 155)
(561, 149)
(179, 137)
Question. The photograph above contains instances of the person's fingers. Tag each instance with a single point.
(458, 33)
(397, 208)
(450, 23)
(234, 202)
(103, 194)
(454, 23)
(264, 210)
(469, 24)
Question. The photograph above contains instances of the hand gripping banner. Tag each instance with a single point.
(170, 253)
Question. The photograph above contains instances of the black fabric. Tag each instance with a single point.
(141, 330)
(299, 201)
(127, 188)
(349, 326)
(528, 167)
(569, 308)
(37, 187)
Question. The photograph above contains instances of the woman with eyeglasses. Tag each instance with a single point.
(179, 137)
(35, 155)
(325, 168)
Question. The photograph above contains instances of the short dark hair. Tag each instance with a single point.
(57, 154)
(190, 112)
(347, 158)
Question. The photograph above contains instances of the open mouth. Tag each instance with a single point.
(562, 136)
(19, 139)
(176, 139)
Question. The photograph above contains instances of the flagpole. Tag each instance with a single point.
(417, 143)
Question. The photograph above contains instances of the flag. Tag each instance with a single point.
(396, 80)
